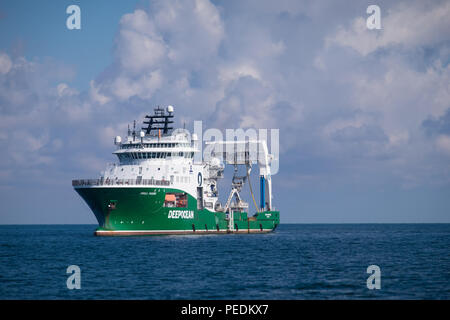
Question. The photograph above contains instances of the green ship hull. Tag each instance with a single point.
(125, 211)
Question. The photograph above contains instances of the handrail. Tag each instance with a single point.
(115, 182)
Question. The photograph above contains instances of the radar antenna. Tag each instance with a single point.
(159, 121)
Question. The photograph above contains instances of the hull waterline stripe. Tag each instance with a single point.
(130, 232)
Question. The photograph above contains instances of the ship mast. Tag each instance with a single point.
(160, 121)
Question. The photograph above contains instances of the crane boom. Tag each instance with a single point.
(247, 153)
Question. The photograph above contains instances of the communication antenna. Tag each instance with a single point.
(160, 121)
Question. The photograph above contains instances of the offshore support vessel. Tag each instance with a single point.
(158, 189)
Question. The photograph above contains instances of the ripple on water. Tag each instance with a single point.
(295, 262)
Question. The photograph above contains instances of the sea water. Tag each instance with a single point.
(297, 261)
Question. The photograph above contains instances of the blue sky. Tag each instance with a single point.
(36, 29)
(363, 114)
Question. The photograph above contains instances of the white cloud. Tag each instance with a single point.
(230, 73)
(95, 94)
(195, 30)
(64, 90)
(403, 96)
(28, 153)
(158, 51)
(92, 164)
(143, 86)
(5, 63)
(443, 144)
(107, 133)
(247, 69)
(408, 24)
(138, 46)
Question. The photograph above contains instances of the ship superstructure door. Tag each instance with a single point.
(199, 198)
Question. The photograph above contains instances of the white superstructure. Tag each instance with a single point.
(157, 156)
(163, 159)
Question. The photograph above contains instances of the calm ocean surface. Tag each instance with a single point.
(295, 262)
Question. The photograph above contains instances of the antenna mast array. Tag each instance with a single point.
(159, 121)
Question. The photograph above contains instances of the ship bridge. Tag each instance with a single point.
(156, 140)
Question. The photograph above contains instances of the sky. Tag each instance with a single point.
(363, 114)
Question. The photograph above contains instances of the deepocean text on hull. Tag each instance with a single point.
(157, 189)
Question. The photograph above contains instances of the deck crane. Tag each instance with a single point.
(245, 153)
